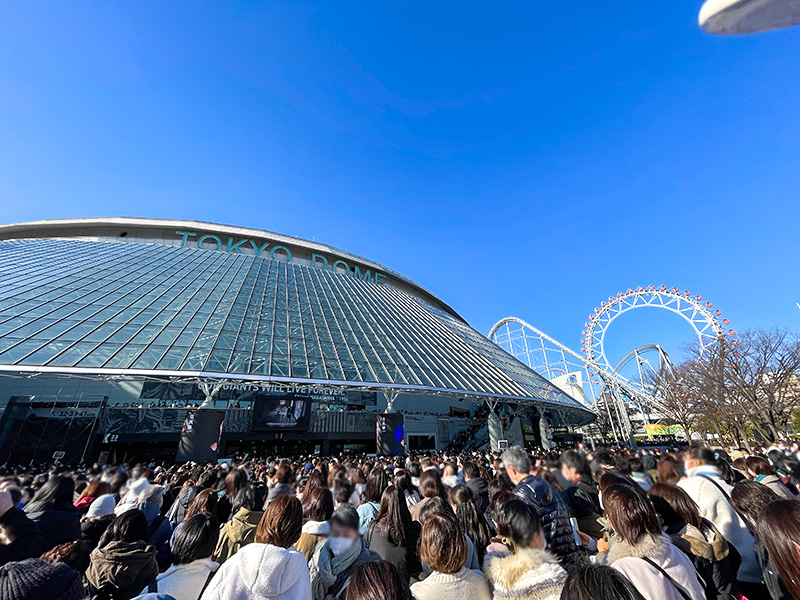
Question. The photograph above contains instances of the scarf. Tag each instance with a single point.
(330, 566)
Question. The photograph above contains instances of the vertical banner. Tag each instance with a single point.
(390, 434)
(200, 436)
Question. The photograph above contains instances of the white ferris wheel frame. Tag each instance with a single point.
(692, 309)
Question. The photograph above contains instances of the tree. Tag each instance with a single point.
(678, 396)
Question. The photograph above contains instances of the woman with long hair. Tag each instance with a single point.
(52, 510)
(598, 582)
(714, 559)
(527, 571)
(779, 529)
(640, 552)
(269, 567)
(240, 530)
(473, 524)
(377, 482)
(402, 481)
(762, 472)
(318, 509)
(750, 499)
(394, 535)
(234, 481)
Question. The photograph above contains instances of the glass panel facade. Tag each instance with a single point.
(83, 304)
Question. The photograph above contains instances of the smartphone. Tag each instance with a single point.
(574, 522)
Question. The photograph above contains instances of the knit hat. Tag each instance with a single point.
(34, 579)
(102, 506)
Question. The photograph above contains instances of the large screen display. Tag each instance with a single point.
(390, 434)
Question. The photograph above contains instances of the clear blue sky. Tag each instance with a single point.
(517, 158)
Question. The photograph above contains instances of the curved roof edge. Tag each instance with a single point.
(56, 228)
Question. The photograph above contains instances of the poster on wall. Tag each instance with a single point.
(200, 436)
(390, 434)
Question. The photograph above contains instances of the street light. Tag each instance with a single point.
(733, 17)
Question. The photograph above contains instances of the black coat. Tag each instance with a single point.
(583, 501)
(553, 514)
(772, 580)
(480, 493)
(58, 524)
(25, 539)
(404, 558)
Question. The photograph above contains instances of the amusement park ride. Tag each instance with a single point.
(629, 386)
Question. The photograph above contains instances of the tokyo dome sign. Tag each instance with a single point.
(209, 241)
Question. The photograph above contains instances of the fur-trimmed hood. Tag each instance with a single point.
(529, 574)
(652, 546)
(708, 544)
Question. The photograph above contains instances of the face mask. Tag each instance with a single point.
(686, 466)
(339, 545)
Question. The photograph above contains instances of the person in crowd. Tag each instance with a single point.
(598, 582)
(641, 553)
(393, 535)
(315, 480)
(402, 481)
(471, 523)
(22, 538)
(668, 472)
(73, 554)
(240, 530)
(235, 481)
(90, 493)
(377, 482)
(430, 486)
(177, 511)
(138, 482)
(552, 467)
(97, 519)
(205, 501)
(282, 484)
(359, 480)
(192, 567)
(343, 492)
(750, 499)
(479, 486)
(581, 495)
(377, 580)
(711, 493)
(443, 547)
(118, 482)
(526, 570)
(52, 510)
(318, 509)
(35, 579)
(546, 502)
(159, 527)
(713, 558)
(123, 562)
(437, 506)
(269, 568)
(762, 472)
(778, 527)
(638, 473)
(334, 561)
(450, 477)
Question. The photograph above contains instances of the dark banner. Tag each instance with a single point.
(200, 436)
(390, 434)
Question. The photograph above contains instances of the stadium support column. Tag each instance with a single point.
(495, 425)
(390, 396)
(209, 391)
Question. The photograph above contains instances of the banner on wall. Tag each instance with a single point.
(200, 436)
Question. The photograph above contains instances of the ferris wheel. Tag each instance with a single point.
(699, 314)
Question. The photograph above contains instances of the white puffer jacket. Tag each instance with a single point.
(185, 582)
(716, 507)
(261, 572)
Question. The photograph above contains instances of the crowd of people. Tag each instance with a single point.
(699, 524)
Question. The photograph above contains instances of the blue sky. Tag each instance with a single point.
(523, 159)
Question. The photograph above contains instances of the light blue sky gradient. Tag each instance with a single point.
(523, 158)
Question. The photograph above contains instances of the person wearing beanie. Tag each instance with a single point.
(101, 506)
(34, 579)
(23, 538)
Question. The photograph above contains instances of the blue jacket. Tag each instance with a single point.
(553, 514)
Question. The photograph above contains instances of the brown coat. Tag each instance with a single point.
(123, 569)
(314, 532)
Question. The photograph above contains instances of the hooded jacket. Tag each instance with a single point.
(238, 532)
(552, 513)
(464, 584)
(528, 574)
(715, 506)
(122, 568)
(261, 572)
(58, 524)
(776, 485)
(185, 582)
(480, 493)
(314, 532)
(649, 581)
(583, 500)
